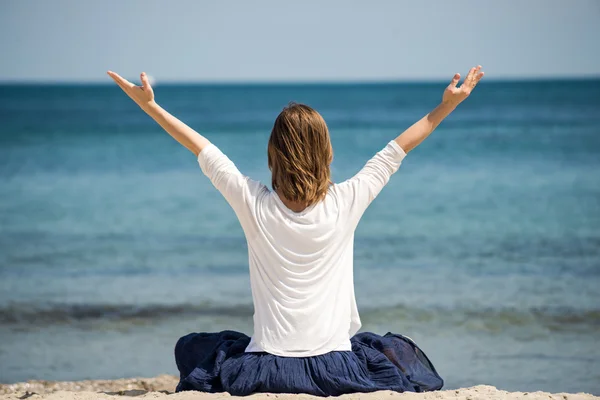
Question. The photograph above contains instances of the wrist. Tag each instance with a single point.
(149, 107)
(450, 104)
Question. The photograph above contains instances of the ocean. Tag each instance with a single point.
(484, 247)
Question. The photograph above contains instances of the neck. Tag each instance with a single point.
(295, 206)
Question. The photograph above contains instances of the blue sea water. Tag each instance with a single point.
(484, 247)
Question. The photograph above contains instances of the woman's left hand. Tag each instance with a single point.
(142, 95)
(454, 94)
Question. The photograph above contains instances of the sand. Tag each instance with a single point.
(161, 387)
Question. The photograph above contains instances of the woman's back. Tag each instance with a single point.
(301, 263)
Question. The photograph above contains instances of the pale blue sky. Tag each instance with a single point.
(308, 40)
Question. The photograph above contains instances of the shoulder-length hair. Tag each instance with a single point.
(300, 154)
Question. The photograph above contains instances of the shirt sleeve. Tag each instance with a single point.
(238, 190)
(360, 190)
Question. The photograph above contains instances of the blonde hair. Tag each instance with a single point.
(299, 154)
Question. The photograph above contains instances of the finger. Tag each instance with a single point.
(123, 87)
(455, 80)
(145, 81)
(118, 78)
(478, 77)
(469, 78)
(124, 83)
(114, 78)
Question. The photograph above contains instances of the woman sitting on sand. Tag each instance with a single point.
(300, 243)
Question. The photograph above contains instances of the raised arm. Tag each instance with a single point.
(144, 97)
(453, 96)
(363, 187)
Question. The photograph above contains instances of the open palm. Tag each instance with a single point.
(142, 95)
(456, 94)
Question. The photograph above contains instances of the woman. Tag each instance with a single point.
(300, 243)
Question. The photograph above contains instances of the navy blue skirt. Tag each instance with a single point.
(217, 362)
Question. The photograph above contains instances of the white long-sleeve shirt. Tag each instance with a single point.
(301, 263)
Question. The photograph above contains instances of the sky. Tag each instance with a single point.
(308, 40)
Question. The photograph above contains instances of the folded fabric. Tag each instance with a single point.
(217, 362)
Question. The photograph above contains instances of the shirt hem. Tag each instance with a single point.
(398, 149)
(262, 348)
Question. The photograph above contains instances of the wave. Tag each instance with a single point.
(490, 319)
(22, 313)
(482, 319)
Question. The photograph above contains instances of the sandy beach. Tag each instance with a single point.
(163, 386)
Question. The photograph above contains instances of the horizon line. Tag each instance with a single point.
(291, 82)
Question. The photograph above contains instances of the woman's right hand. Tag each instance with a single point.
(142, 95)
(455, 95)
